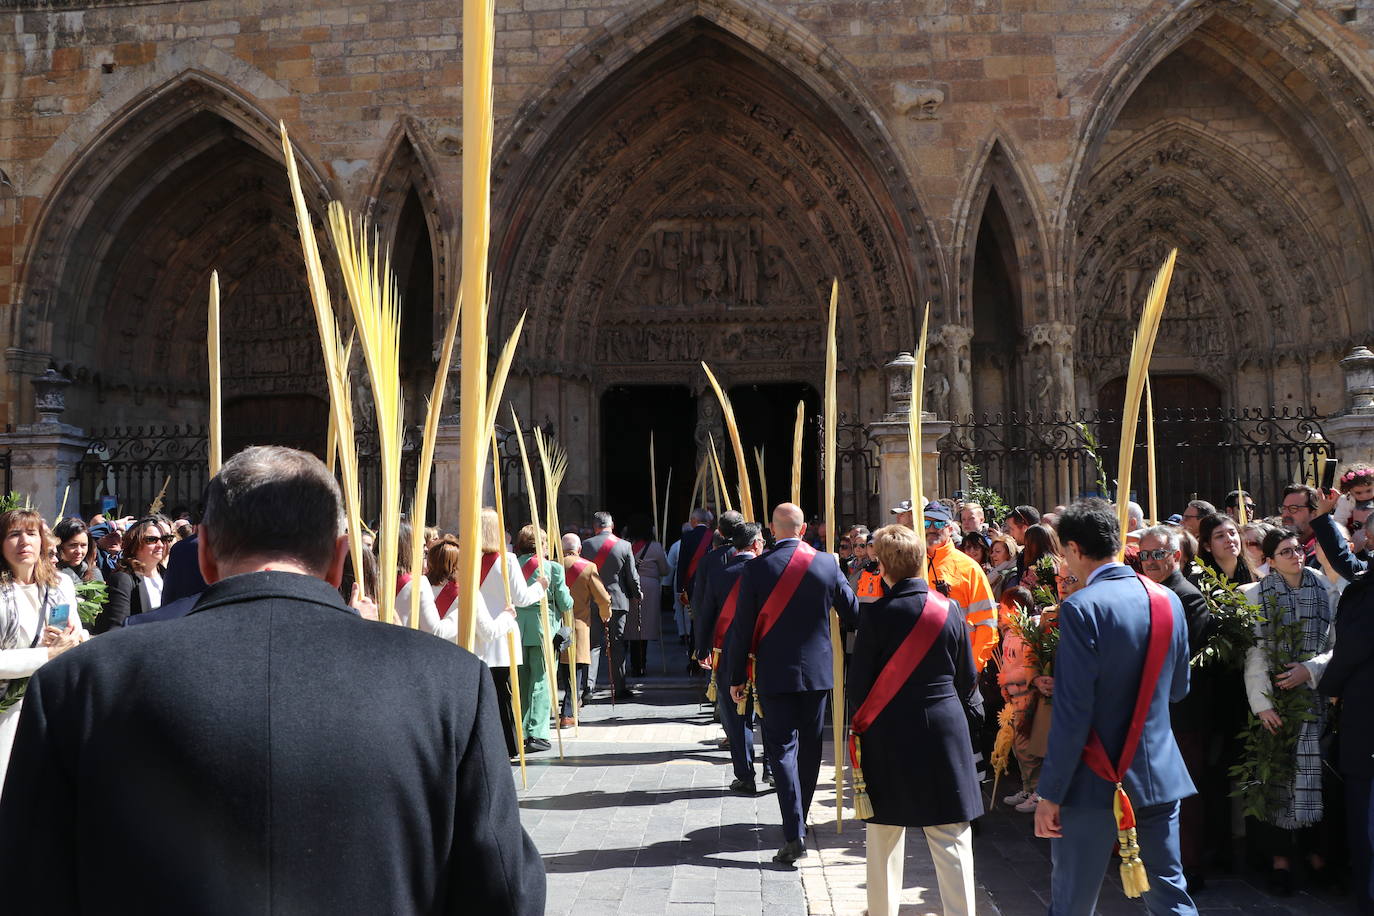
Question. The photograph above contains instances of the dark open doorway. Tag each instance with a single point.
(767, 414)
(628, 415)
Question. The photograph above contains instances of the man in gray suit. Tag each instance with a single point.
(616, 563)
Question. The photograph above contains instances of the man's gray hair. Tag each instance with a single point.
(1166, 533)
(572, 543)
(701, 516)
(1134, 511)
(277, 502)
(602, 520)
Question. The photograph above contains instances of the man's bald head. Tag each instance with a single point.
(788, 521)
(572, 544)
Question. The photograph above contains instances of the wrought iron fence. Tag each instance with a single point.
(856, 478)
(124, 469)
(1047, 459)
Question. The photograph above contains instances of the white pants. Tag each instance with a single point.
(951, 848)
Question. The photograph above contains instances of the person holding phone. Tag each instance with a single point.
(38, 619)
(136, 584)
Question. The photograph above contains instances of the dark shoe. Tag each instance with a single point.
(1280, 882)
(790, 852)
(768, 777)
(1324, 877)
(586, 696)
(626, 693)
(1197, 882)
(536, 744)
(746, 788)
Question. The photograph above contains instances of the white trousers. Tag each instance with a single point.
(951, 849)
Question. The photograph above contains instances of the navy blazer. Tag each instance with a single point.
(924, 729)
(714, 590)
(1103, 633)
(183, 576)
(1350, 676)
(687, 548)
(707, 571)
(795, 655)
(274, 743)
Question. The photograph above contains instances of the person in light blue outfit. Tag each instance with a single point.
(1104, 630)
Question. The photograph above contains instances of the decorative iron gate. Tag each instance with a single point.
(124, 470)
(1047, 459)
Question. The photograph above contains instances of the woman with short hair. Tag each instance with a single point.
(915, 724)
(31, 593)
(135, 587)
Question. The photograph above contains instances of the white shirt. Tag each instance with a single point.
(152, 591)
(1101, 569)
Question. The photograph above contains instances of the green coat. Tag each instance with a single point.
(560, 600)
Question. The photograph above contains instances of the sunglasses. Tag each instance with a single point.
(151, 539)
(1253, 543)
(936, 524)
(1159, 554)
(844, 545)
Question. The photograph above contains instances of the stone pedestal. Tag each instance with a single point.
(1352, 430)
(43, 460)
(891, 435)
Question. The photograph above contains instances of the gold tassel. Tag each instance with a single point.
(711, 690)
(1133, 879)
(863, 805)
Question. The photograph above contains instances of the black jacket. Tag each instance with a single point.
(1350, 676)
(1194, 712)
(274, 753)
(916, 756)
(125, 599)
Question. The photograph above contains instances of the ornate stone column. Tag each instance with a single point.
(1352, 430)
(44, 455)
(1049, 367)
(891, 434)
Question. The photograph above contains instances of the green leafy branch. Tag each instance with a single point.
(994, 507)
(1094, 449)
(90, 601)
(1233, 626)
(1041, 639)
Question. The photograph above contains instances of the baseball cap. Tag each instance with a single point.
(903, 506)
(99, 530)
(939, 512)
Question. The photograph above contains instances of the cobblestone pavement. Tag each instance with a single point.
(637, 819)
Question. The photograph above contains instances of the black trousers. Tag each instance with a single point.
(565, 708)
(501, 678)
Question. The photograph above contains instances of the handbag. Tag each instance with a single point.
(1039, 743)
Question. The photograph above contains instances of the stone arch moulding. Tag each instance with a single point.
(1253, 276)
(94, 168)
(1000, 168)
(688, 157)
(407, 163)
(1341, 106)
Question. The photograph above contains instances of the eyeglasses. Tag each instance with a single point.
(151, 539)
(1253, 543)
(1194, 517)
(936, 523)
(1290, 552)
(1160, 554)
(844, 544)
(1356, 526)
(1069, 579)
(1295, 507)
(860, 545)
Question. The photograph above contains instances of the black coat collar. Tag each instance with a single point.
(257, 586)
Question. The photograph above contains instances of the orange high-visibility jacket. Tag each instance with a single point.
(968, 585)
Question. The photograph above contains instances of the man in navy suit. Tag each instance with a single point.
(690, 553)
(706, 576)
(792, 673)
(1104, 630)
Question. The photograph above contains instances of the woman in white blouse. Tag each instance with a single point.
(32, 593)
(135, 586)
(495, 617)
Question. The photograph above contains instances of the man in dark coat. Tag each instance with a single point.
(917, 759)
(1105, 630)
(792, 663)
(715, 601)
(279, 753)
(691, 551)
(616, 563)
(1161, 559)
(707, 573)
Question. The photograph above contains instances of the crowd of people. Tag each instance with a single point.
(1006, 627)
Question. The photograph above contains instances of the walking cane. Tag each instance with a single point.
(610, 656)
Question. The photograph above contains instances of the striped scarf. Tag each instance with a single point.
(1310, 605)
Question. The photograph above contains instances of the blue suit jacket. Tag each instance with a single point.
(687, 548)
(795, 655)
(714, 589)
(1103, 632)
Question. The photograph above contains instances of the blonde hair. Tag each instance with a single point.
(44, 572)
(493, 538)
(901, 551)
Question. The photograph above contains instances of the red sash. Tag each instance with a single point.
(1095, 754)
(488, 561)
(575, 572)
(402, 579)
(783, 590)
(530, 565)
(605, 550)
(727, 616)
(900, 666)
(703, 546)
(447, 595)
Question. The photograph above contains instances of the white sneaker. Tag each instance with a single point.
(1029, 805)
(1016, 799)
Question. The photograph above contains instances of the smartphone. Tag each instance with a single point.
(59, 615)
(1329, 474)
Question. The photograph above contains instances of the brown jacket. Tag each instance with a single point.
(587, 589)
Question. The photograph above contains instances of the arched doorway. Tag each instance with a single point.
(694, 205)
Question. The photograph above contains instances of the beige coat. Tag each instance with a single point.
(588, 589)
